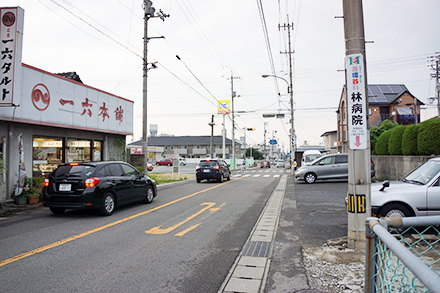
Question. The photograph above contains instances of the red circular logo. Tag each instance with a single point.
(40, 97)
(8, 18)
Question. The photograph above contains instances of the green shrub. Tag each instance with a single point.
(395, 140)
(428, 139)
(409, 140)
(376, 131)
(382, 143)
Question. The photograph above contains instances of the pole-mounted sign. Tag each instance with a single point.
(223, 107)
(356, 101)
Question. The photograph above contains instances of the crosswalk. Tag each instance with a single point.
(259, 173)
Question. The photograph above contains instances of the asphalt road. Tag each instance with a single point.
(185, 241)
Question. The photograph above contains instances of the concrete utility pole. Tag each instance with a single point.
(292, 144)
(212, 136)
(359, 167)
(437, 87)
(149, 12)
(233, 165)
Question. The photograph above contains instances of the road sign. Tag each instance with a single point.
(356, 101)
(273, 141)
(223, 107)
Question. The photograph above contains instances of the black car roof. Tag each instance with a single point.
(96, 164)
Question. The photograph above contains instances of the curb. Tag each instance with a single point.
(9, 209)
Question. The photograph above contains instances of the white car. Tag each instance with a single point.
(418, 194)
(182, 161)
(281, 164)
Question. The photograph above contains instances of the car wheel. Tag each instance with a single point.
(229, 177)
(108, 205)
(310, 178)
(198, 180)
(57, 211)
(220, 179)
(149, 195)
(395, 210)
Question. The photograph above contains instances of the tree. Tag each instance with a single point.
(257, 155)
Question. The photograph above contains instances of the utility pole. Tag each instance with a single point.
(233, 94)
(436, 75)
(292, 135)
(212, 136)
(149, 12)
(265, 123)
(359, 163)
(224, 137)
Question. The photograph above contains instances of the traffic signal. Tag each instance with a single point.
(251, 129)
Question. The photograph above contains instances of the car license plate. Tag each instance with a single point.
(65, 187)
(206, 170)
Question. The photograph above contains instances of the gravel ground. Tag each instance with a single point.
(334, 269)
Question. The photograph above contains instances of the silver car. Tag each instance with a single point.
(326, 167)
(418, 194)
(333, 166)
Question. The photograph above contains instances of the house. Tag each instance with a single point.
(330, 141)
(185, 146)
(385, 101)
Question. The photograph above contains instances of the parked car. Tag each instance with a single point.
(212, 170)
(333, 166)
(165, 162)
(265, 164)
(96, 185)
(281, 164)
(417, 194)
(182, 161)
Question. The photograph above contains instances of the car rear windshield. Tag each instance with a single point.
(74, 171)
(208, 164)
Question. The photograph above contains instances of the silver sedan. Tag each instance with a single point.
(418, 194)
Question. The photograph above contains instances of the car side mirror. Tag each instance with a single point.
(386, 183)
(321, 163)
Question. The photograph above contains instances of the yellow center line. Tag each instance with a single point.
(69, 239)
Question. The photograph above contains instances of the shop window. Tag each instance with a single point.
(78, 150)
(97, 151)
(47, 154)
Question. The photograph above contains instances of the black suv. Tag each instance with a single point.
(212, 170)
(96, 185)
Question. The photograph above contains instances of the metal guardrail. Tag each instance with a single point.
(403, 254)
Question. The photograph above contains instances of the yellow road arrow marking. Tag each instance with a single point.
(158, 230)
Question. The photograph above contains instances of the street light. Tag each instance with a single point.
(292, 129)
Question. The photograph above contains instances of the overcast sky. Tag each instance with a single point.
(103, 42)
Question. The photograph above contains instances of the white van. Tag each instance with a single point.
(309, 156)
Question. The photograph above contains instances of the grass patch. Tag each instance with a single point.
(162, 178)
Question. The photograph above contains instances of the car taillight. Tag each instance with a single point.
(92, 182)
(46, 182)
(73, 164)
(217, 167)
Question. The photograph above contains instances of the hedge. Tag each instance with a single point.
(395, 140)
(428, 139)
(409, 140)
(382, 143)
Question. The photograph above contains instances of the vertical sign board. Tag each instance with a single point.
(223, 107)
(356, 102)
(11, 24)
